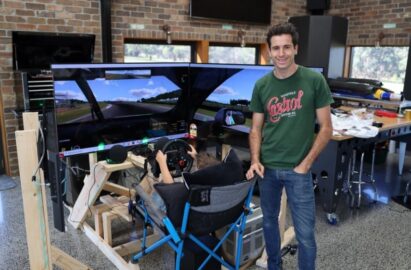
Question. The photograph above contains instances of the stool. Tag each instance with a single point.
(356, 177)
(407, 191)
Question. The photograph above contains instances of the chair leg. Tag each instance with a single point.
(349, 179)
(407, 190)
(360, 182)
(372, 175)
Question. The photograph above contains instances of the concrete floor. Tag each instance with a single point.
(377, 236)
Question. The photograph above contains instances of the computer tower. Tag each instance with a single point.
(253, 239)
(322, 43)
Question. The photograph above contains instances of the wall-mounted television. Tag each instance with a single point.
(250, 11)
(99, 105)
(35, 51)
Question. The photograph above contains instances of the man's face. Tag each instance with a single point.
(282, 51)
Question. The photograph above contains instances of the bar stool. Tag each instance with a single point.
(407, 191)
(356, 178)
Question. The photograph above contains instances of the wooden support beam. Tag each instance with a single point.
(135, 245)
(35, 212)
(119, 190)
(116, 207)
(264, 57)
(92, 159)
(31, 121)
(138, 161)
(107, 232)
(113, 256)
(41, 253)
(131, 162)
(98, 210)
(202, 51)
(65, 261)
(93, 184)
(347, 61)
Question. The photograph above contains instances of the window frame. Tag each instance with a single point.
(191, 44)
(350, 58)
(236, 45)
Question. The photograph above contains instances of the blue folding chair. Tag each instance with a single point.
(206, 209)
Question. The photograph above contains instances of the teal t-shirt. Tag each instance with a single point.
(289, 106)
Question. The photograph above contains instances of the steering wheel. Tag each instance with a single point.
(178, 159)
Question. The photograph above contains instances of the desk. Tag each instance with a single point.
(331, 166)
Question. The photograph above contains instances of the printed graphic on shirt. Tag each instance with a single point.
(285, 105)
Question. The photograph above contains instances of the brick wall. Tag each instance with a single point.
(366, 19)
(65, 16)
(153, 15)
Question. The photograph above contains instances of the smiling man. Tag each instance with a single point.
(285, 105)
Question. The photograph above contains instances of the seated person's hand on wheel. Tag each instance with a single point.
(192, 152)
(161, 158)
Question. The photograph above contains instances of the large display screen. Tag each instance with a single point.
(257, 11)
(99, 105)
(35, 51)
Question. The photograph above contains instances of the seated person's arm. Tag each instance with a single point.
(161, 159)
(162, 163)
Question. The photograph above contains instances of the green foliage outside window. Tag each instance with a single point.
(136, 53)
(231, 55)
(387, 64)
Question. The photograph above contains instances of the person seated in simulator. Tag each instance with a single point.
(201, 160)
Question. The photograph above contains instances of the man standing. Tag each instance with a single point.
(285, 106)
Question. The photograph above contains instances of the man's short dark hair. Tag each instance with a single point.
(280, 29)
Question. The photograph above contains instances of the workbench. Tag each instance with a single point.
(330, 168)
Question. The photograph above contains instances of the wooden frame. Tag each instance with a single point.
(41, 253)
(110, 209)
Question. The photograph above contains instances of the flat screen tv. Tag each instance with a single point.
(35, 51)
(251, 11)
(99, 105)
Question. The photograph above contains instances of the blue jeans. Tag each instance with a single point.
(300, 197)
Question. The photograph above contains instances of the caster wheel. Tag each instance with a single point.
(332, 218)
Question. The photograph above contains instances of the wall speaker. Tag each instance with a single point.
(117, 154)
(322, 43)
(318, 4)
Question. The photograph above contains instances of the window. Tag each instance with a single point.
(154, 51)
(386, 64)
(226, 54)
